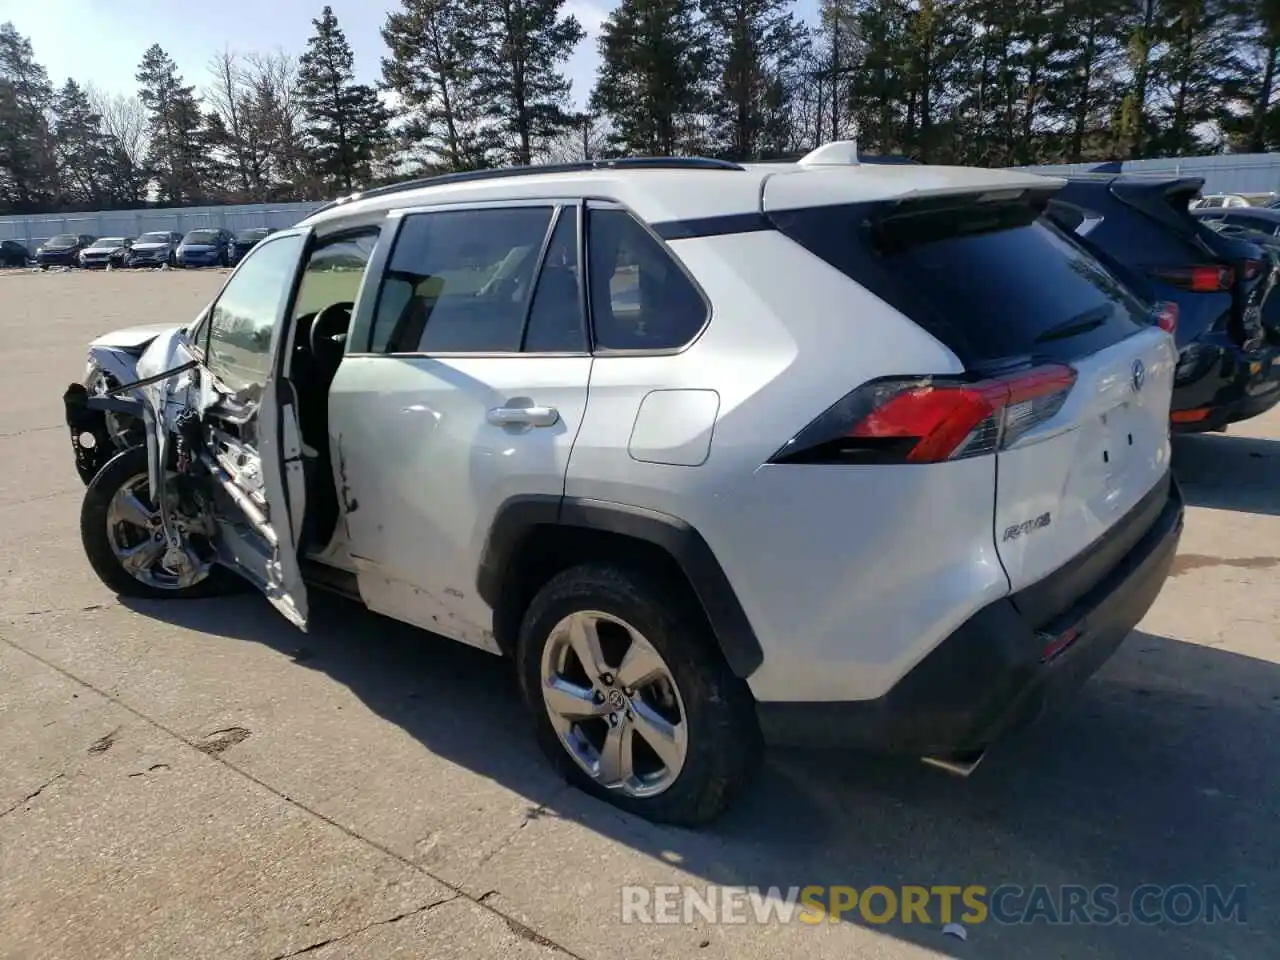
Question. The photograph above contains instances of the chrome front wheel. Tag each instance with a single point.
(137, 539)
(125, 544)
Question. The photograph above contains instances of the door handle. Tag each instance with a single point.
(524, 416)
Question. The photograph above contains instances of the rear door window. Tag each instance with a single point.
(991, 280)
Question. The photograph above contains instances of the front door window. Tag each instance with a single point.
(245, 314)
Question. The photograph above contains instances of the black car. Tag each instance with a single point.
(1210, 288)
(62, 250)
(13, 254)
(205, 248)
(154, 249)
(246, 240)
(1256, 233)
(106, 251)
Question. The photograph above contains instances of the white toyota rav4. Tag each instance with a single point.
(822, 453)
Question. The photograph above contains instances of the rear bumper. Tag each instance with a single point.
(1230, 385)
(989, 678)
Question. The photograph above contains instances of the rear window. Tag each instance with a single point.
(991, 280)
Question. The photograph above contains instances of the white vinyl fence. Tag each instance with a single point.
(35, 229)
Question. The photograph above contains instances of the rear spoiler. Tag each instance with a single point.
(1164, 199)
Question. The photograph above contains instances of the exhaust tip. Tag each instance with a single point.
(959, 764)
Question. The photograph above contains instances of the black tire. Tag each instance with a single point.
(119, 470)
(723, 736)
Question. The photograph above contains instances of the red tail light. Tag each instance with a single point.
(929, 419)
(1203, 279)
(1055, 645)
(1167, 316)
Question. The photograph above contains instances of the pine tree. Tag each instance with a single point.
(177, 151)
(520, 47)
(1134, 120)
(1253, 125)
(878, 87)
(432, 68)
(838, 50)
(757, 45)
(28, 167)
(1086, 87)
(83, 148)
(346, 122)
(654, 76)
(1195, 62)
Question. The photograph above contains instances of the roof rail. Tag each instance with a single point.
(502, 173)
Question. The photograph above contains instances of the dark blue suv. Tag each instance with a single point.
(1209, 288)
(206, 247)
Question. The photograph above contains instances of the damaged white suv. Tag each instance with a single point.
(822, 453)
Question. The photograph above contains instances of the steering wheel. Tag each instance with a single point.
(329, 329)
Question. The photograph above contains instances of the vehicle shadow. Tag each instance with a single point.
(1226, 472)
(1163, 771)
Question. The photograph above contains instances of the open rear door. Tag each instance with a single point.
(247, 424)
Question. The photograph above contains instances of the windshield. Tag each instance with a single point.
(202, 236)
(257, 233)
(62, 240)
(110, 242)
(153, 238)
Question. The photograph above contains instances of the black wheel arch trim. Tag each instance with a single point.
(518, 516)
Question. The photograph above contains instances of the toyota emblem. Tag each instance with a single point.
(1139, 376)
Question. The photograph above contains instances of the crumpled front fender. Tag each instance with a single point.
(134, 339)
(120, 364)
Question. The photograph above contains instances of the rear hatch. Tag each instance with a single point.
(1219, 283)
(1069, 374)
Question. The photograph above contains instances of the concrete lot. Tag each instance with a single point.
(201, 780)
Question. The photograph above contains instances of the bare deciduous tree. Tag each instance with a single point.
(125, 123)
(586, 138)
(228, 99)
(273, 79)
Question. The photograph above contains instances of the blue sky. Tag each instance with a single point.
(101, 41)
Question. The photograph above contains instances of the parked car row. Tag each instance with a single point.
(197, 248)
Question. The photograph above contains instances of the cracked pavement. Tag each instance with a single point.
(202, 780)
